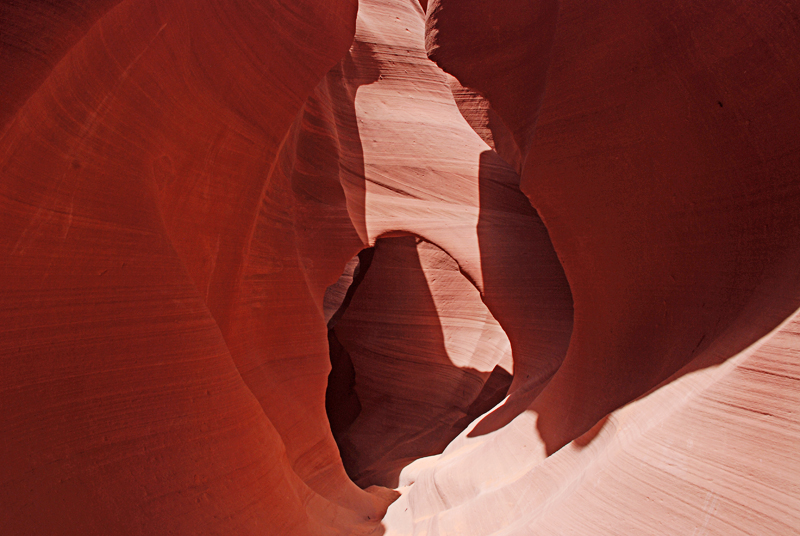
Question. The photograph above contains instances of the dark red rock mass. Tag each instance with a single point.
(457, 267)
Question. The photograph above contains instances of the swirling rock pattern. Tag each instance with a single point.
(415, 313)
(181, 182)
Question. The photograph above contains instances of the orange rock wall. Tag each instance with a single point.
(180, 182)
(423, 346)
(132, 182)
(669, 188)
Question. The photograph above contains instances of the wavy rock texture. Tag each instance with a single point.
(136, 184)
(415, 313)
(670, 192)
(183, 183)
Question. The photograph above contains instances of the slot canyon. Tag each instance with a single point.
(399, 267)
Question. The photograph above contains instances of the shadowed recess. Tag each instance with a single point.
(410, 372)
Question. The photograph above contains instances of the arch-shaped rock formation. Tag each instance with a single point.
(604, 193)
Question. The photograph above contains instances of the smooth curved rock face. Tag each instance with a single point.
(34, 37)
(133, 181)
(423, 346)
(671, 195)
(176, 198)
(672, 207)
(180, 182)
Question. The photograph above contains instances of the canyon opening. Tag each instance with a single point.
(399, 267)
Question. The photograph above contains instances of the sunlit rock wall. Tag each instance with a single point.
(180, 182)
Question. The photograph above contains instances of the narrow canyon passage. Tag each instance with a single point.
(415, 357)
(399, 267)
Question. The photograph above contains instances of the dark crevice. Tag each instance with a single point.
(379, 430)
(364, 260)
(341, 400)
(494, 391)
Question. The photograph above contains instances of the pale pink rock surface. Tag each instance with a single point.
(671, 195)
(423, 346)
(180, 182)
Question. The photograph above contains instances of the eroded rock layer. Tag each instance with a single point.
(671, 194)
(133, 185)
(415, 313)
(181, 182)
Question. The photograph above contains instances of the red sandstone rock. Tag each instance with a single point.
(411, 164)
(427, 173)
(132, 182)
(670, 191)
(180, 182)
(423, 346)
